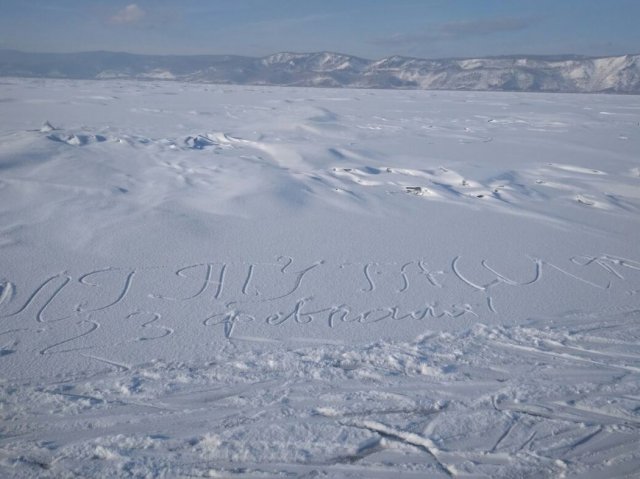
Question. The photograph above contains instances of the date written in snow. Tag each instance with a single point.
(303, 312)
(233, 289)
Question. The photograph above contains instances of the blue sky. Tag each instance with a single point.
(368, 28)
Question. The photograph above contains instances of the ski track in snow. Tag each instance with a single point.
(216, 281)
(493, 401)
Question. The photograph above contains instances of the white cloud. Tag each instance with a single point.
(128, 15)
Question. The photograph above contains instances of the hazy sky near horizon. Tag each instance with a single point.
(368, 28)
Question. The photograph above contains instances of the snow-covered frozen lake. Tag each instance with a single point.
(220, 281)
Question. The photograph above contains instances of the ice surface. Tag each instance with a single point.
(201, 280)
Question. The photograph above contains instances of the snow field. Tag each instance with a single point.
(218, 281)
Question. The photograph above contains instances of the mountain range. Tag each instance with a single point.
(568, 73)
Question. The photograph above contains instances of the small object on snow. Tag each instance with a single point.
(584, 201)
(47, 127)
(198, 142)
(415, 190)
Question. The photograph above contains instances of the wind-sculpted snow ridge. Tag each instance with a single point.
(614, 74)
(225, 281)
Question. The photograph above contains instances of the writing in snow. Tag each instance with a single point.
(237, 292)
(302, 313)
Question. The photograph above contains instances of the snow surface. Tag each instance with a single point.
(206, 281)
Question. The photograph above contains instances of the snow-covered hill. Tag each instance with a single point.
(620, 74)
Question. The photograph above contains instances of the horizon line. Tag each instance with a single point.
(319, 52)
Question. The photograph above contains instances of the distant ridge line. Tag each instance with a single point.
(535, 73)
